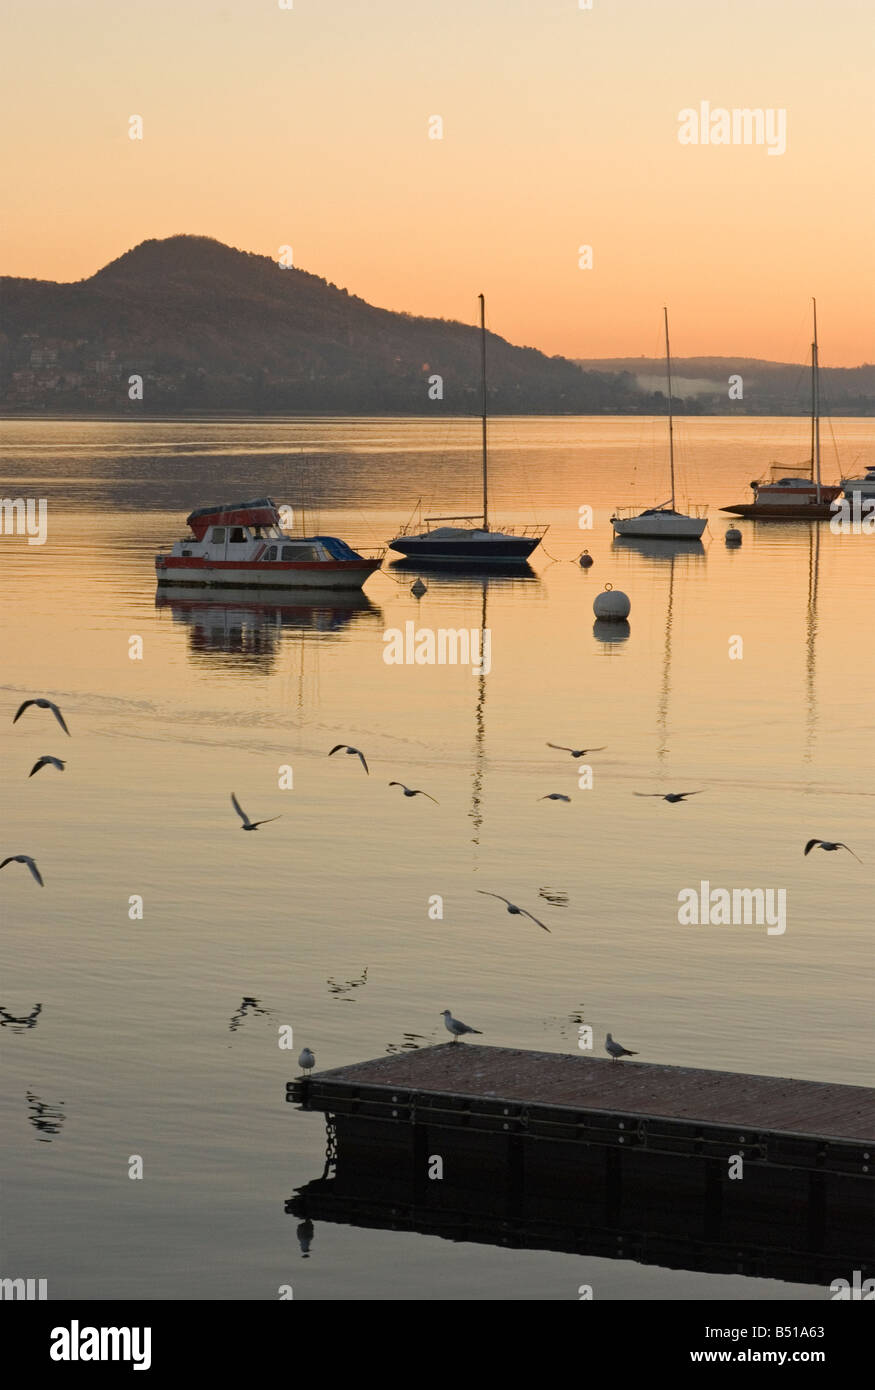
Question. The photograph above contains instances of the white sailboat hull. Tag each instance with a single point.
(661, 525)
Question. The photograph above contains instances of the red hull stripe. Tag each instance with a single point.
(196, 562)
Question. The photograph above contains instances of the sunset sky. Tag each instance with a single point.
(309, 127)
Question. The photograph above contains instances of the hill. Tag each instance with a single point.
(211, 328)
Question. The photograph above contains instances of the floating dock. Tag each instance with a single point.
(624, 1159)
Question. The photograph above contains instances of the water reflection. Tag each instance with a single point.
(653, 548)
(45, 1117)
(461, 576)
(555, 896)
(247, 632)
(410, 1041)
(305, 1233)
(249, 1007)
(537, 1191)
(344, 991)
(20, 1025)
(811, 643)
(611, 633)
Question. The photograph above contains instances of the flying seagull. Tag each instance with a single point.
(42, 704)
(47, 761)
(356, 752)
(830, 845)
(554, 796)
(414, 791)
(306, 1061)
(24, 859)
(577, 752)
(456, 1027)
(616, 1050)
(247, 823)
(512, 908)
(672, 796)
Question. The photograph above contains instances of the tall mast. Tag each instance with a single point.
(815, 403)
(483, 383)
(670, 416)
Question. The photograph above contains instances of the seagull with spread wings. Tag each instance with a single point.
(414, 791)
(671, 796)
(41, 703)
(353, 752)
(513, 909)
(829, 845)
(47, 761)
(577, 752)
(24, 859)
(247, 823)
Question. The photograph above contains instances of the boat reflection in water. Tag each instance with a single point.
(248, 630)
(652, 549)
(457, 572)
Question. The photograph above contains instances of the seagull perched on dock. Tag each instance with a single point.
(512, 908)
(456, 1027)
(616, 1050)
(47, 761)
(554, 796)
(354, 752)
(829, 845)
(671, 796)
(306, 1061)
(42, 703)
(25, 859)
(577, 752)
(413, 791)
(247, 823)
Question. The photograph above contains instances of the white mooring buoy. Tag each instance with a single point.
(585, 560)
(418, 588)
(733, 536)
(611, 605)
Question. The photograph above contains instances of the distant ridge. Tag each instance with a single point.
(770, 388)
(210, 328)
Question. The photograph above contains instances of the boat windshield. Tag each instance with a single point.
(778, 475)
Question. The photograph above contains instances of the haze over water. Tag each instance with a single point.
(144, 1043)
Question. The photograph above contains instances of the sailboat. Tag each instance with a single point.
(475, 542)
(663, 521)
(795, 498)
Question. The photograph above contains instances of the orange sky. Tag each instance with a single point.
(309, 127)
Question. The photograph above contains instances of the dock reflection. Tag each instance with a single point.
(522, 1192)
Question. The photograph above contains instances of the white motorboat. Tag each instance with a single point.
(241, 545)
(864, 486)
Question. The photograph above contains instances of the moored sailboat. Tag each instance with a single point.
(663, 521)
(796, 497)
(476, 542)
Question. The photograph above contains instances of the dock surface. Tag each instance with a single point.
(779, 1104)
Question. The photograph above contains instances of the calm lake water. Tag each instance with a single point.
(136, 1037)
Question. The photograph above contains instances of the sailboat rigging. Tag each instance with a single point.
(795, 498)
(477, 541)
(663, 521)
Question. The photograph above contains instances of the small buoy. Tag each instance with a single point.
(733, 536)
(585, 560)
(611, 605)
(418, 588)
